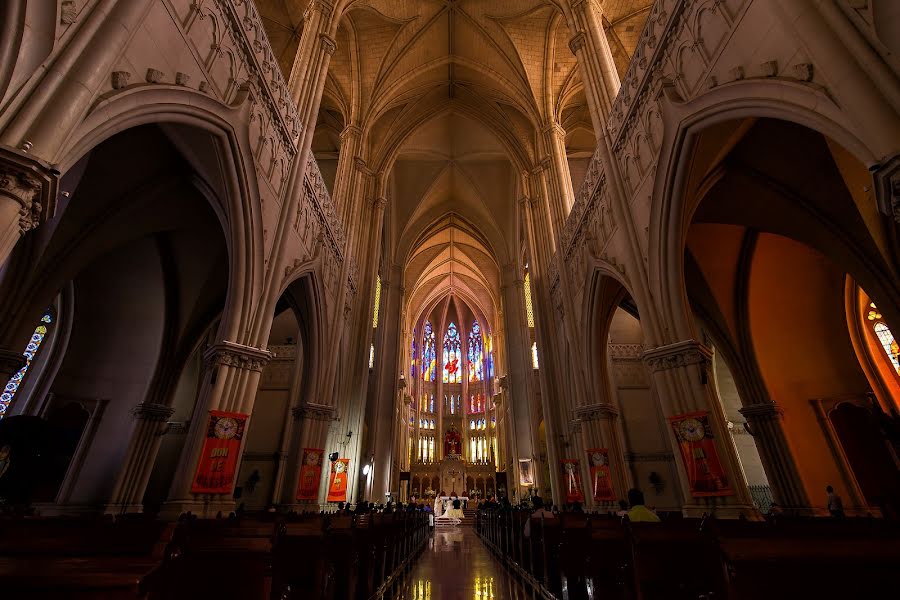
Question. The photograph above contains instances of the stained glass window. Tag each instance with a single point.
(31, 350)
(888, 342)
(377, 302)
(428, 354)
(529, 308)
(412, 362)
(476, 353)
(452, 352)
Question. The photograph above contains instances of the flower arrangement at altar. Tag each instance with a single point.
(429, 493)
(473, 493)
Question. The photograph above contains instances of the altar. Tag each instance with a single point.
(443, 508)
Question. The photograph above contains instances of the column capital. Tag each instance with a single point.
(598, 411)
(379, 203)
(30, 183)
(554, 128)
(328, 43)
(149, 411)
(350, 130)
(762, 411)
(676, 356)
(231, 354)
(314, 412)
(321, 6)
(577, 42)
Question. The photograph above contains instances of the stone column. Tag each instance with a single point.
(560, 179)
(764, 423)
(680, 374)
(312, 421)
(230, 381)
(600, 429)
(598, 69)
(128, 493)
(523, 427)
(28, 190)
(381, 434)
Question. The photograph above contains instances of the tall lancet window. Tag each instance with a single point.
(428, 354)
(31, 350)
(452, 352)
(888, 342)
(377, 302)
(476, 353)
(412, 360)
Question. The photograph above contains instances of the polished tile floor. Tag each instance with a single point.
(456, 565)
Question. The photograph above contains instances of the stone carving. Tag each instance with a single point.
(24, 188)
(154, 76)
(592, 412)
(230, 354)
(677, 356)
(313, 411)
(68, 12)
(182, 78)
(120, 79)
(625, 351)
(148, 411)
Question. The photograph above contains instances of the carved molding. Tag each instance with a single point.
(148, 411)
(625, 351)
(313, 411)
(230, 354)
(677, 356)
(24, 187)
(283, 352)
(634, 457)
(577, 42)
(599, 411)
(762, 411)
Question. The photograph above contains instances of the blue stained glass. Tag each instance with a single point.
(428, 354)
(476, 353)
(412, 365)
(12, 386)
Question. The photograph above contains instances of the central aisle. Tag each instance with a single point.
(456, 565)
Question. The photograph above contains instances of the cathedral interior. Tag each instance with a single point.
(278, 263)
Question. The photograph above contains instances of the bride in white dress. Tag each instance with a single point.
(438, 507)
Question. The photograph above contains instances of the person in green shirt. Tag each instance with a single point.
(639, 513)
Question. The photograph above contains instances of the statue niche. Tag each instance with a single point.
(452, 442)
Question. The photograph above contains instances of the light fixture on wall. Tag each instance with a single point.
(367, 468)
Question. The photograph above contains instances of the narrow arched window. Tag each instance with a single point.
(377, 302)
(883, 332)
(529, 307)
(475, 349)
(452, 351)
(428, 354)
(31, 351)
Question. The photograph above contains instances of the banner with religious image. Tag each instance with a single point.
(571, 475)
(706, 476)
(337, 489)
(310, 474)
(221, 451)
(526, 477)
(601, 481)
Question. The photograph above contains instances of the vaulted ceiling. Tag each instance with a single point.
(452, 97)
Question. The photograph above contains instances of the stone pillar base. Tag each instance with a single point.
(173, 509)
(696, 510)
(119, 509)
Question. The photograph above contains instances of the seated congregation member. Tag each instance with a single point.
(539, 511)
(835, 504)
(638, 512)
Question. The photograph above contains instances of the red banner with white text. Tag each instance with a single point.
(221, 451)
(310, 474)
(337, 489)
(706, 475)
(601, 481)
(571, 475)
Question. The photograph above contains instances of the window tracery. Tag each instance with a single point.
(884, 335)
(452, 351)
(31, 351)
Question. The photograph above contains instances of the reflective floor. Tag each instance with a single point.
(456, 565)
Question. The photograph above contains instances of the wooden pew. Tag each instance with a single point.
(814, 558)
(675, 561)
(78, 559)
(215, 559)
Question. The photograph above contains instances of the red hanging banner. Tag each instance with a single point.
(221, 451)
(601, 482)
(337, 490)
(572, 480)
(310, 474)
(706, 476)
